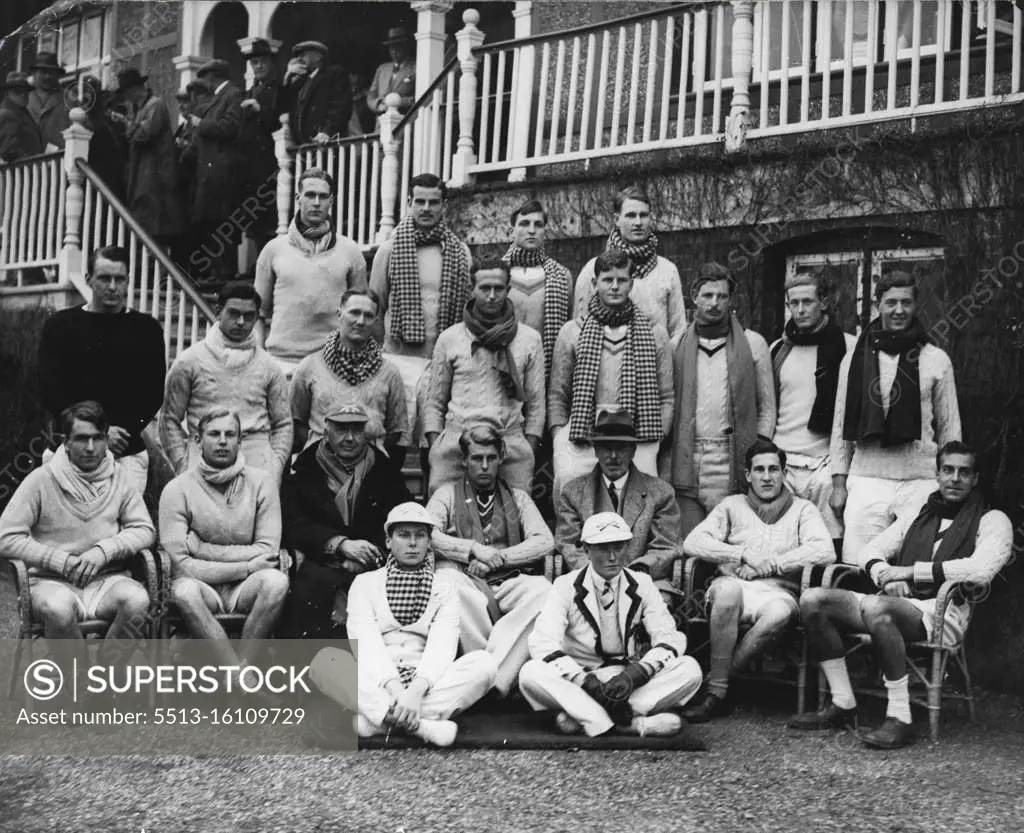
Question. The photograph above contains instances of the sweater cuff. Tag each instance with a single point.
(927, 572)
(108, 548)
(55, 560)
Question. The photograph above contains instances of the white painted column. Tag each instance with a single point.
(389, 173)
(76, 146)
(742, 62)
(284, 149)
(468, 37)
(430, 43)
(522, 91)
(193, 21)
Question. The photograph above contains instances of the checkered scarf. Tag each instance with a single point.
(556, 293)
(354, 366)
(643, 256)
(639, 393)
(407, 326)
(408, 591)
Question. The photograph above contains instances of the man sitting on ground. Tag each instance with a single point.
(334, 506)
(954, 537)
(405, 621)
(491, 533)
(587, 662)
(761, 541)
(220, 523)
(75, 521)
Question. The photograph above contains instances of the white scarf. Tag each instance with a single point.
(88, 489)
(232, 354)
(220, 477)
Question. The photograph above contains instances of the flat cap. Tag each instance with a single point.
(217, 66)
(408, 513)
(315, 45)
(605, 528)
(353, 412)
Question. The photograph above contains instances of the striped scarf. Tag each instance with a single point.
(407, 324)
(643, 256)
(354, 366)
(639, 393)
(556, 294)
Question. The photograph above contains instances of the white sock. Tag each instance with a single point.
(839, 682)
(899, 699)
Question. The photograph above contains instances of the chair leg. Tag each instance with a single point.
(968, 690)
(935, 693)
(801, 678)
(13, 679)
(822, 685)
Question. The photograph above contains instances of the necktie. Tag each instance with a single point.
(607, 595)
(613, 493)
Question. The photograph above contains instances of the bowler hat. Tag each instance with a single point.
(399, 34)
(306, 45)
(348, 414)
(131, 77)
(613, 424)
(47, 60)
(218, 67)
(259, 48)
(17, 81)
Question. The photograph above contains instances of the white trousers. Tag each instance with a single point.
(874, 503)
(467, 679)
(811, 479)
(569, 459)
(544, 688)
(520, 600)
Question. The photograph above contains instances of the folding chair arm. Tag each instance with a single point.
(697, 572)
(678, 560)
(16, 572)
(835, 574)
(946, 596)
(554, 566)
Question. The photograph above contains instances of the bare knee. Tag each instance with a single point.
(56, 611)
(727, 599)
(132, 599)
(814, 602)
(273, 585)
(187, 595)
(875, 614)
(775, 616)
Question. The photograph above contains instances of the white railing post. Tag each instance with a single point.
(283, 149)
(742, 62)
(76, 146)
(468, 37)
(522, 92)
(389, 120)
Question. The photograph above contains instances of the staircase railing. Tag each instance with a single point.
(32, 224)
(156, 285)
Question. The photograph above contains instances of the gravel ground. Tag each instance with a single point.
(756, 776)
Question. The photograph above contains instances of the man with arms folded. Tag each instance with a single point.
(761, 541)
(587, 664)
(955, 537)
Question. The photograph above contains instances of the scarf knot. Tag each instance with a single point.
(557, 281)
(496, 336)
(354, 366)
(87, 489)
(230, 476)
(770, 511)
(232, 354)
(313, 239)
(643, 256)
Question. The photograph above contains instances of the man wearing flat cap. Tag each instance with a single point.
(334, 504)
(19, 133)
(589, 665)
(321, 95)
(615, 484)
(218, 130)
(724, 398)
(395, 76)
(46, 101)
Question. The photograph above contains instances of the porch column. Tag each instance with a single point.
(76, 146)
(187, 66)
(193, 20)
(430, 58)
(742, 62)
(468, 37)
(522, 90)
(284, 149)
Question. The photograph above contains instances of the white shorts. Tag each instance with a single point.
(87, 599)
(226, 594)
(757, 594)
(958, 617)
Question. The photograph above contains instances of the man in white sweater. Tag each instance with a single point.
(404, 619)
(761, 541)
(805, 362)
(220, 523)
(954, 537)
(896, 405)
(75, 521)
(229, 369)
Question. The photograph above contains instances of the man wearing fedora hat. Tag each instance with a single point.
(591, 661)
(19, 134)
(46, 101)
(395, 76)
(615, 484)
(320, 95)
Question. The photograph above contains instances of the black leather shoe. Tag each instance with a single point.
(831, 717)
(711, 706)
(892, 734)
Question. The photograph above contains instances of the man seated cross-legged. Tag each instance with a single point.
(492, 534)
(761, 541)
(74, 521)
(954, 537)
(589, 664)
(404, 619)
(220, 523)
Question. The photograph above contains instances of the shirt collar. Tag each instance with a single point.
(620, 484)
(599, 582)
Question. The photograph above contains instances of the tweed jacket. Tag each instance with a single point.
(567, 634)
(428, 644)
(386, 80)
(647, 504)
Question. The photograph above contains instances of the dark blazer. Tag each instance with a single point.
(647, 504)
(257, 177)
(217, 157)
(322, 104)
(19, 133)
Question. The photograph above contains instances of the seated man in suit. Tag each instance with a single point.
(761, 541)
(615, 484)
(220, 523)
(492, 533)
(954, 537)
(588, 664)
(405, 621)
(74, 521)
(334, 505)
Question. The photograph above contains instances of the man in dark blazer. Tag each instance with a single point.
(395, 76)
(217, 132)
(646, 503)
(19, 133)
(333, 507)
(321, 95)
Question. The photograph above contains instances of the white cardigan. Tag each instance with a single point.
(428, 644)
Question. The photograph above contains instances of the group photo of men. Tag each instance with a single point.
(489, 472)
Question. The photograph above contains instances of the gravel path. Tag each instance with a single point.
(756, 776)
